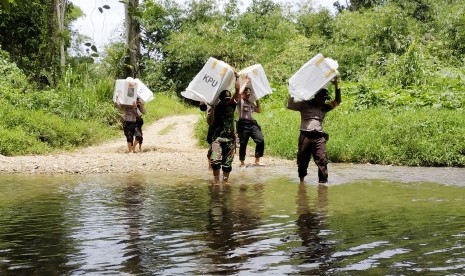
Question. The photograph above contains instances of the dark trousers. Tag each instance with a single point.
(222, 154)
(250, 129)
(312, 145)
(130, 129)
(138, 134)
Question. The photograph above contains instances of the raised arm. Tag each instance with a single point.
(334, 103)
(338, 90)
(141, 107)
(117, 104)
(257, 107)
(292, 105)
(237, 93)
(242, 89)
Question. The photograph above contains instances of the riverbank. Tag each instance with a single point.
(169, 145)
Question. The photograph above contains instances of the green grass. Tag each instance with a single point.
(26, 131)
(167, 129)
(412, 137)
(166, 104)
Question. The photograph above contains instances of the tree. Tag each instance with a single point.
(360, 4)
(36, 36)
(133, 37)
(60, 18)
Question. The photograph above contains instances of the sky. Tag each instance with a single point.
(107, 26)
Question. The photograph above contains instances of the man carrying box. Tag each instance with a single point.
(312, 139)
(130, 127)
(247, 127)
(223, 135)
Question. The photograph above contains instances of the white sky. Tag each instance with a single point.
(108, 26)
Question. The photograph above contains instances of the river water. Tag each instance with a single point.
(369, 220)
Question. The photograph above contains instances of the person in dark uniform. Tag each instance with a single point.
(312, 139)
(223, 144)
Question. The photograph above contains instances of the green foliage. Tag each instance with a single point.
(165, 104)
(12, 76)
(34, 131)
(79, 112)
(413, 137)
(319, 23)
(29, 33)
(394, 51)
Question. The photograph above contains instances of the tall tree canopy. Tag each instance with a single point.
(36, 36)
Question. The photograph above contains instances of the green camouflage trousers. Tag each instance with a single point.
(222, 154)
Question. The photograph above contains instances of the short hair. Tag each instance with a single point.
(323, 91)
(225, 94)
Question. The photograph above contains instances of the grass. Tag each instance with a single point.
(167, 129)
(25, 131)
(412, 137)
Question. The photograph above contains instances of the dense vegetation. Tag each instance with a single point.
(401, 64)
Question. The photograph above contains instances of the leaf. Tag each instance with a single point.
(94, 55)
(106, 7)
(88, 44)
(100, 9)
(94, 48)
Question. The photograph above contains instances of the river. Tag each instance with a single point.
(369, 220)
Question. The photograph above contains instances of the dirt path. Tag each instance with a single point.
(169, 145)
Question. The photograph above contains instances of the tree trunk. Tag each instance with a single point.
(132, 37)
(60, 10)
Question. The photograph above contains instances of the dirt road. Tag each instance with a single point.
(169, 144)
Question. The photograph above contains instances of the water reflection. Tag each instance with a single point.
(133, 203)
(233, 217)
(34, 231)
(220, 224)
(312, 229)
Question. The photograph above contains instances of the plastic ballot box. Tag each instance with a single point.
(259, 82)
(125, 92)
(206, 86)
(143, 92)
(317, 73)
(129, 89)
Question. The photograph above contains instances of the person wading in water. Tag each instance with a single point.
(312, 139)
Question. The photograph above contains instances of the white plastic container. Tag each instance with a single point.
(317, 73)
(214, 77)
(125, 91)
(143, 92)
(258, 80)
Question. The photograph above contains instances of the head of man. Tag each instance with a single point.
(247, 93)
(322, 95)
(225, 95)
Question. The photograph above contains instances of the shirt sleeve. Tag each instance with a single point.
(293, 105)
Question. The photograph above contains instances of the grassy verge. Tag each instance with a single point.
(421, 137)
(166, 104)
(26, 131)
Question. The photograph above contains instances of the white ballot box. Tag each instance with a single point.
(259, 83)
(317, 73)
(214, 77)
(125, 91)
(143, 92)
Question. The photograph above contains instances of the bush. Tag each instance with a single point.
(51, 131)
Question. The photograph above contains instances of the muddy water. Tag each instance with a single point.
(369, 220)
